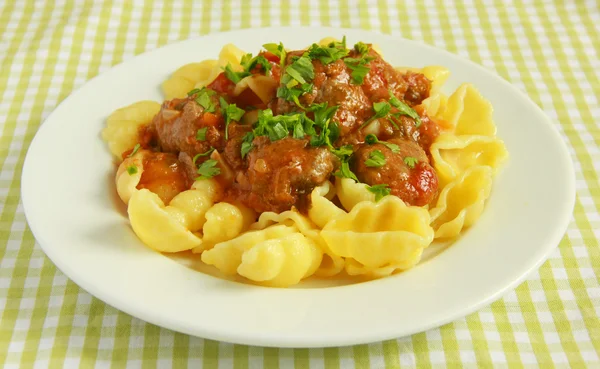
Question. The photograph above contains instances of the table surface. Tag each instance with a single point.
(550, 49)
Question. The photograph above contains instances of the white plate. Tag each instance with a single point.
(69, 199)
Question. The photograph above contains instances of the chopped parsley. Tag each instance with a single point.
(345, 172)
(203, 99)
(329, 53)
(208, 169)
(194, 91)
(361, 48)
(210, 151)
(343, 152)
(359, 68)
(132, 169)
(329, 131)
(371, 139)
(295, 81)
(380, 191)
(411, 161)
(234, 76)
(277, 50)
(279, 126)
(249, 63)
(381, 109)
(231, 113)
(201, 134)
(135, 150)
(404, 109)
(246, 144)
(376, 159)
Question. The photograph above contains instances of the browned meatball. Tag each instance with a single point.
(177, 124)
(232, 152)
(381, 79)
(282, 174)
(413, 179)
(418, 88)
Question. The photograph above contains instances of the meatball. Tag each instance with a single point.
(282, 174)
(418, 87)
(177, 124)
(232, 152)
(407, 172)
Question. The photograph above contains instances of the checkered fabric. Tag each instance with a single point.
(550, 49)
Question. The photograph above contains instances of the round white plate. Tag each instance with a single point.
(70, 203)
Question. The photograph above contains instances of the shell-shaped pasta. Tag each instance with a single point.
(380, 234)
(351, 193)
(210, 187)
(227, 256)
(461, 202)
(469, 113)
(225, 221)
(453, 155)
(185, 78)
(277, 256)
(438, 75)
(281, 262)
(230, 54)
(331, 264)
(121, 131)
(263, 86)
(435, 104)
(353, 267)
(126, 182)
(322, 210)
(168, 228)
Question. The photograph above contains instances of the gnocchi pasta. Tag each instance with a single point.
(256, 168)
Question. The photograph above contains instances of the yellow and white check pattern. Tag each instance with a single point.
(550, 49)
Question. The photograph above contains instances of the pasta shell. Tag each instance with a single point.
(469, 113)
(351, 193)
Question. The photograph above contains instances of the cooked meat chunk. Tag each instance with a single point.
(418, 88)
(282, 173)
(407, 173)
(178, 122)
(164, 175)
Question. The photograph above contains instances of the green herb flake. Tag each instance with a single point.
(207, 153)
(381, 110)
(371, 139)
(234, 76)
(411, 161)
(132, 169)
(361, 48)
(404, 109)
(194, 91)
(246, 144)
(329, 53)
(249, 63)
(201, 134)
(277, 50)
(359, 68)
(136, 148)
(231, 113)
(345, 172)
(343, 152)
(208, 169)
(203, 99)
(380, 191)
(376, 159)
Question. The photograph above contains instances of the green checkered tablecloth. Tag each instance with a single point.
(550, 49)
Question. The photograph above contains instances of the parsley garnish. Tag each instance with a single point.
(343, 152)
(246, 144)
(234, 76)
(203, 99)
(208, 169)
(210, 151)
(380, 191)
(345, 172)
(278, 127)
(376, 159)
(411, 161)
(135, 150)
(194, 91)
(361, 48)
(404, 109)
(201, 134)
(381, 110)
(371, 139)
(132, 169)
(249, 63)
(329, 53)
(295, 81)
(231, 112)
(359, 68)
(277, 50)
(330, 131)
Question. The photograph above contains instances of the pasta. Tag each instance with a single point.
(122, 125)
(313, 163)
